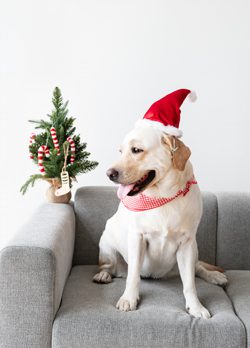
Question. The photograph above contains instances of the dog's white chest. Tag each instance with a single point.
(162, 230)
(160, 253)
(158, 242)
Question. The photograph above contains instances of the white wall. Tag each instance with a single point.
(112, 59)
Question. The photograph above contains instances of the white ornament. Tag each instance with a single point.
(65, 184)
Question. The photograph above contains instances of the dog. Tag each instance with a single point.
(154, 228)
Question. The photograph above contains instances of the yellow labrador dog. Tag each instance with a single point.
(154, 229)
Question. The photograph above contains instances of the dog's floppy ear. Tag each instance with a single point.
(179, 151)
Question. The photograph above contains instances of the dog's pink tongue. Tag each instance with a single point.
(123, 190)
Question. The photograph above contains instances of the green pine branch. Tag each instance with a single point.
(81, 167)
(30, 182)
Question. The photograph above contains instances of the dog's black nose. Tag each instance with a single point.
(113, 174)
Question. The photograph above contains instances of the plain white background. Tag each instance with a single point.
(112, 59)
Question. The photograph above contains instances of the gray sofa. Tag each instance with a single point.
(48, 299)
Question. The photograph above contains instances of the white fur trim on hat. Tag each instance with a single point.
(192, 96)
(158, 125)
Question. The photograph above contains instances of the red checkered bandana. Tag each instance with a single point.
(141, 202)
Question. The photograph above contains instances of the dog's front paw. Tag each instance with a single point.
(126, 304)
(199, 312)
(102, 277)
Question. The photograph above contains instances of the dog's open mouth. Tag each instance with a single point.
(137, 187)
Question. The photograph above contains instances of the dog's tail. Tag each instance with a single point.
(210, 267)
(210, 273)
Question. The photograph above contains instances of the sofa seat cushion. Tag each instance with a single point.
(238, 290)
(88, 317)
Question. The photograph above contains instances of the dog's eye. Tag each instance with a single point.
(136, 150)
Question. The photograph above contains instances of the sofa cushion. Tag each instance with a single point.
(233, 234)
(88, 317)
(238, 290)
(94, 205)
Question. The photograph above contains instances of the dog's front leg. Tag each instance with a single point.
(186, 259)
(136, 249)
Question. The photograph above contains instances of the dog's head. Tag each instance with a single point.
(147, 155)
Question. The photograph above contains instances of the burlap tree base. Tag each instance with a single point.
(50, 193)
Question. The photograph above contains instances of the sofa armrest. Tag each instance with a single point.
(33, 270)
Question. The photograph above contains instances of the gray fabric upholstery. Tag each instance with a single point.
(33, 271)
(233, 235)
(238, 290)
(88, 317)
(94, 205)
(35, 266)
(206, 234)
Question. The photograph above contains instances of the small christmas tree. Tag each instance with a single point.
(57, 147)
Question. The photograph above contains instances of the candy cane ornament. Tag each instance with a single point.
(55, 140)
(72, 149)
(43, 150)
(31, 141)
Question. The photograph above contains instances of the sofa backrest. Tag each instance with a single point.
(223, 235)
(233, 231)
(93, 206)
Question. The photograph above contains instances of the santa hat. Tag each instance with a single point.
(165, 113)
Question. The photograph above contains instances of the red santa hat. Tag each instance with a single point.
(165, 113)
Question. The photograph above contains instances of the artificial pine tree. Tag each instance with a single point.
(49, 153)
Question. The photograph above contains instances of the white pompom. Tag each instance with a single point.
(192, 96)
